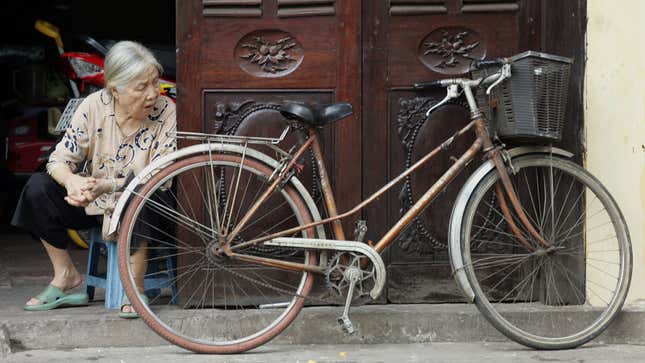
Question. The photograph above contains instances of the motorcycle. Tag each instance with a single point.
(85, 70)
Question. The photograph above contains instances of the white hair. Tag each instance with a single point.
(126, 61)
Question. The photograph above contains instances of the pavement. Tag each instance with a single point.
(349, 353)
(386, 333)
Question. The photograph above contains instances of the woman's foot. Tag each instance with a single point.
(65, 283)
(127, 310)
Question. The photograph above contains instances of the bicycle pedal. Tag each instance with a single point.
(353, 275)
(346, 325)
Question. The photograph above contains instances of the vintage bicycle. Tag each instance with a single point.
(532, 237)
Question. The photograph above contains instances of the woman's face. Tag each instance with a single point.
(139, 97)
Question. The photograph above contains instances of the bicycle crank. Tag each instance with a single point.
(350, 275)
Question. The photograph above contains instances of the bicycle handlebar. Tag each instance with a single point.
(454, 85)
(428, 85)
(489, 63)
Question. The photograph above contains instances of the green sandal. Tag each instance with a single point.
(53, 297)
(132, 314)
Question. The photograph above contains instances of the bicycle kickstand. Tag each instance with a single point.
(352, 274)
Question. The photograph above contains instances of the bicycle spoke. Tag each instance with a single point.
(585, 265)
(177, 217)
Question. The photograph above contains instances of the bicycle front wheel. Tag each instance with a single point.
(553, 296)
(208, 302)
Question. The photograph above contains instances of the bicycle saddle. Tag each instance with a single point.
(316, 115)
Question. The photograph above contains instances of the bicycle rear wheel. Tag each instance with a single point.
(217, 304)
(547, 298)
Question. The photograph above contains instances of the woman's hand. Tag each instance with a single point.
(77, 187)
(95, 189)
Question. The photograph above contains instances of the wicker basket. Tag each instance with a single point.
(531, 104)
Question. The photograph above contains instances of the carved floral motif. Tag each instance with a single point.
(270, 57)
(269, 53)
(450, 50)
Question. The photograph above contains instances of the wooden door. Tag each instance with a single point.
(238, 59)
(405, 42)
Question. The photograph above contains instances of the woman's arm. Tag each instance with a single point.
(165, 144)
(69, 154)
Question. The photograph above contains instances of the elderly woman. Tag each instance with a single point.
(115, 131)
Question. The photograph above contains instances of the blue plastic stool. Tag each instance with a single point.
(110, 280)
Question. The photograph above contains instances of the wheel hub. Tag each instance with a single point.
(214, 252)
(548, 251)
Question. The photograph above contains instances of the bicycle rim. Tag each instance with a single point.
(220, 305)
(547, 298)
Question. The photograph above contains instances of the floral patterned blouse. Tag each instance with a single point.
(95, 146)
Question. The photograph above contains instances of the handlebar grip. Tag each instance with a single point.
(488, 63)
(428, 85)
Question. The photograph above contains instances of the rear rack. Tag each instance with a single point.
(228, 139)
(65, 119)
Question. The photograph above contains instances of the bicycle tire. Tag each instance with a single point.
(531, 311)
(234, 337)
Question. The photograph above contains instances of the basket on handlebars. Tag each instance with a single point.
(531, 104)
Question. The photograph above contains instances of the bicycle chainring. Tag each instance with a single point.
(338, 284)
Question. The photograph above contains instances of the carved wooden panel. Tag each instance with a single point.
(408, 42)
(256, 113)
(418, 135)
(418, 266)
(446, 44)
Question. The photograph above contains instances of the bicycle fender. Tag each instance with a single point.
(454, 229)
(166, 160)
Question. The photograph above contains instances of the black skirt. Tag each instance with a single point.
(43, 212)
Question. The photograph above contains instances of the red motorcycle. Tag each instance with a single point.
(85, 70)
(28, 142)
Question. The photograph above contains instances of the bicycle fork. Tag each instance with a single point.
(504, 184)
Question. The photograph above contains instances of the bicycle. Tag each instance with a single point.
(532, 234)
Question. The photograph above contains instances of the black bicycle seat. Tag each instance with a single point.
(316, 115)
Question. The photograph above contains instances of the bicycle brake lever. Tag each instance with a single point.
(506, 73)
(453, 92)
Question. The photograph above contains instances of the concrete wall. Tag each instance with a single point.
(615, 114)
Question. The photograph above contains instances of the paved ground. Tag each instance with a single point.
(399, 353)
(446, 333)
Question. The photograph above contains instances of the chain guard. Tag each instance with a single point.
(357, 248)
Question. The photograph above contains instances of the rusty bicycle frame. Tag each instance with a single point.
(482, 143)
